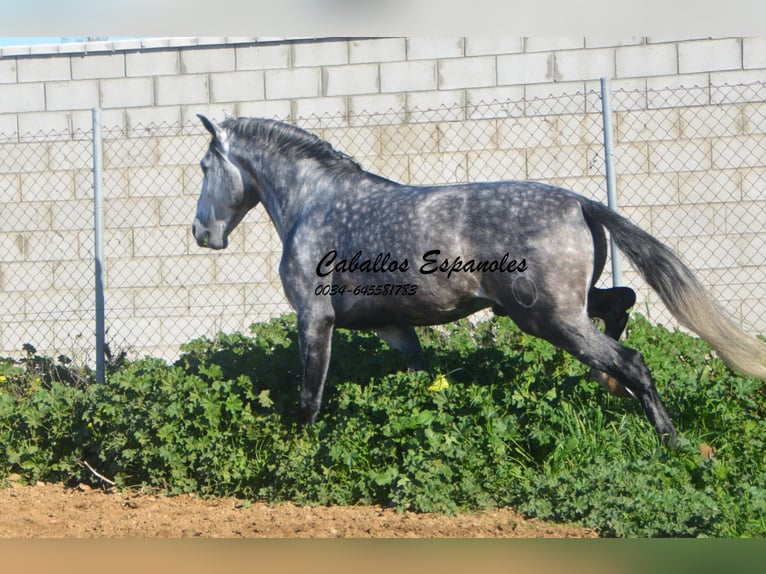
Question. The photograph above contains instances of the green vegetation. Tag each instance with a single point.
(502, 419)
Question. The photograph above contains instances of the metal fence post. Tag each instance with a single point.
(611, 180)
(98, 228)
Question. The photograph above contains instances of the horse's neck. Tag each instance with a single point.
(288, 190)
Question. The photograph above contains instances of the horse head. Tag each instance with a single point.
(224, 199)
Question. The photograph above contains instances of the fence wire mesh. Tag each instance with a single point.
(690, 166)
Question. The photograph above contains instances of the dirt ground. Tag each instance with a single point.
(53, 511)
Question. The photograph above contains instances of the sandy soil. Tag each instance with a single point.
(53, 511)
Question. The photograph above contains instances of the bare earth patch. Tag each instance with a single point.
(53, 511)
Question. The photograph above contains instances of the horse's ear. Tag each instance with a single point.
(215, 130)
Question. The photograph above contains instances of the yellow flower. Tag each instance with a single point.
(3, 378)
(440, 383)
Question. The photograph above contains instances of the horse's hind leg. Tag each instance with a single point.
(612, 306)
(580, 338)
(404, 340)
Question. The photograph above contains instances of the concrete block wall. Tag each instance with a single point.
(423, 110)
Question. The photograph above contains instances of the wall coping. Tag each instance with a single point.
(140, 44)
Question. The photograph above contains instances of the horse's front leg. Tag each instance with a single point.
(315, 337)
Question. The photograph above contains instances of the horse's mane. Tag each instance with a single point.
(288, 140)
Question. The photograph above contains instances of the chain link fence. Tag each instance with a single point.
(690, 167)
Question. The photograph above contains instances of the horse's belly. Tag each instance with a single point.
(404, 308)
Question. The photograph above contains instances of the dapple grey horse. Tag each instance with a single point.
(363, 252)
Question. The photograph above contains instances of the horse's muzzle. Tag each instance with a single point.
(205, 238)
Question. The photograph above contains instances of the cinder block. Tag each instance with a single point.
(9, 126)
(54, 125)
(25, 217)
(9, 188)
(23, 98)
(8, 71)
(141, 121)
(709, 56)
(463, 73)
(753, 53)
(710, 252)
(71, 95)
(494, 165)
(525, 68)
(739, 152)
(351, 80)
(130, 213)
(188, 270)
(98, 66)
(409, 139)
(678, 91)
(711, 121)
(204, 60)
(358, 142)
(299, 83)
(321, 112)
(744, 217)
(501, 102)
(753, 183)
(154, 181)
(72, 215)
(246, 267)
(686, 220)
(650, 60)
(178, 152)
(177, 210)
(48, 69)
(408, 76)
(377, 50)
(648, 125)
(379, 109)
(555, 99)
(27, 276)
(237, 86)
(275, 109)
(710, 187)
(445, 106)
(112, 122)
(175, 90)
(127, 93)
(160, 63)
(422, 48)
(548, 162)
(520, 133)
(179, 330)
(167, 242)
(584, 64)
(263, 57)
(471, 135)
(681, 155)
(47, 186)
(117, 243)
(134, 272)
(737, 86)
(136, 333)
(438, 169)
(320, 53)
(161, 301)
(627, 95)
(636, 190)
